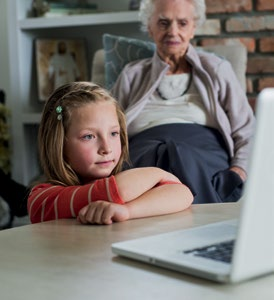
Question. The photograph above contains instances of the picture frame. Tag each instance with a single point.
(59, 61)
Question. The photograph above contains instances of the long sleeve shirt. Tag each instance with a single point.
(50, 202)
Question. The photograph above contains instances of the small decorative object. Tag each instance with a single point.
(4, 136)
(66, 8)
(59, 110)
(39, 8)
(59, 61)
(134, 4)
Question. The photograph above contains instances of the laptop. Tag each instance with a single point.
(248, 242)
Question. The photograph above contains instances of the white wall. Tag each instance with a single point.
(4, 53)
(4, 58)
(5, 67)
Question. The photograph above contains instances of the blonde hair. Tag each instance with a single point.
(147, 8)
(56, 118)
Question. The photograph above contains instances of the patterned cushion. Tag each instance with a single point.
(121, 50)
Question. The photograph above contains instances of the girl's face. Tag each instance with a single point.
(172, 26)
(92, 144)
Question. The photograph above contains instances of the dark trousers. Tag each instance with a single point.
(196, 154)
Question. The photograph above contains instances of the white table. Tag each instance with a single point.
(65, 260)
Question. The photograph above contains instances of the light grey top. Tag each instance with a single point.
(223, 97)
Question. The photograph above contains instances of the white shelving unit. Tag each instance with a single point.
(25, 105)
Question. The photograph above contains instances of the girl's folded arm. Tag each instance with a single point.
(163, 199)
(134, 182)
(50, 202)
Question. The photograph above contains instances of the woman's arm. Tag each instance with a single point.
(239, 114)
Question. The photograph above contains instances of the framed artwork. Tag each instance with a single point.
(59, 61)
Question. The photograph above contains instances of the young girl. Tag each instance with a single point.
(83, 145)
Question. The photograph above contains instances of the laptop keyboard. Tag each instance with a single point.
(221, 251)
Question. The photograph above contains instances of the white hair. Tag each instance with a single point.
(147, 8)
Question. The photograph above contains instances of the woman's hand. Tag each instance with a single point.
(103, 212)
(240, 172)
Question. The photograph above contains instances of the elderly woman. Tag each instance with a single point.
(186, 111)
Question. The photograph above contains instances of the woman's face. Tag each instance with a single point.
(172, 26)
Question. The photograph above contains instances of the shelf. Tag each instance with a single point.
(31, 118)
(24, 92)
(79, 20)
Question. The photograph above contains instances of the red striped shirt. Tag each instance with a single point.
(50, 202)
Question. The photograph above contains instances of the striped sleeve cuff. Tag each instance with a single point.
(106, 189)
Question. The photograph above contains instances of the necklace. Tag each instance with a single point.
(164, 97)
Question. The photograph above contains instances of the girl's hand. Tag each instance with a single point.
(103, 212)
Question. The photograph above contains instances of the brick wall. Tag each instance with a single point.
(250, 22)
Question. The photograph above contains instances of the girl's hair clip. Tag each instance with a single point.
(59, 110)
